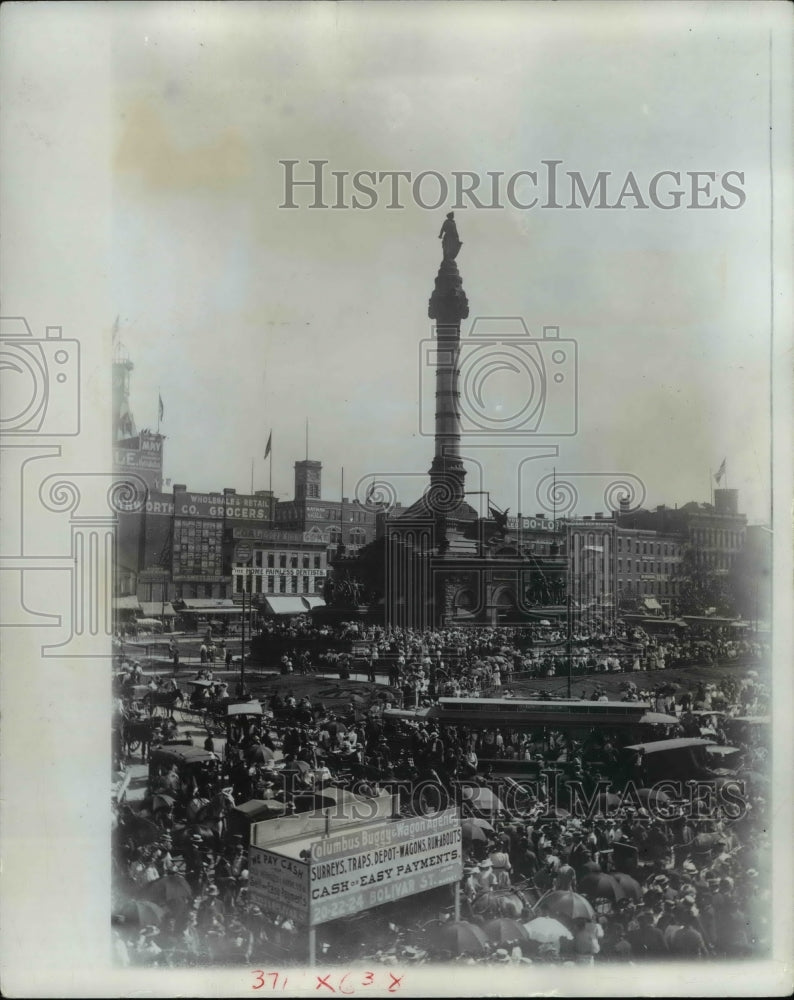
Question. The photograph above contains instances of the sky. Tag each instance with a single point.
(248, 318)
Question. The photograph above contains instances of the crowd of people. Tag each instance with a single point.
(688, 881)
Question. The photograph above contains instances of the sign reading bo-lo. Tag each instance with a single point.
(382, 862)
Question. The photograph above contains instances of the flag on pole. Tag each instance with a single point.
(269, 442)
(160, 409)
(720, 473)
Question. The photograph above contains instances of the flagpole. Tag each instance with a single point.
(307, 439)
(159, 399)
(711, 487)
(252, 475)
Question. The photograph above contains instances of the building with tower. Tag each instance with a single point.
(344, 526)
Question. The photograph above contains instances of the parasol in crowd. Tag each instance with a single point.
(608, 800)
(591, 868)
(630, 886)
(483, 799)
(503, 931)
(471, 830)
(546, 930)
(565, 904)
(460, 938)
(653, 796)
(705, 842)
(168, 890)
(262, 754)
(140, 911)
(601, 886)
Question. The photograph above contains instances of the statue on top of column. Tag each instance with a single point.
(450, 243)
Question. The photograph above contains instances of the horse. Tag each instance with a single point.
(214, 813)
(137, 733)
(166, 700)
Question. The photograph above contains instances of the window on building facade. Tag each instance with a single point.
(294, 581)
(306, 585)
(282, 560)
(259, 585)
(271, 582)
(282, 584)
(293, 560)
(270, 560)
(305, 561)
(317, 560)
(258, 557)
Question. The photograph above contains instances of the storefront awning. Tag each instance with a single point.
(286, 604)
(652, 603)
(156, 609)
(207, 603)
(126, 604)
(313, 600)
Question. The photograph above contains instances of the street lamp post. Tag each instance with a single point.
(242, 647)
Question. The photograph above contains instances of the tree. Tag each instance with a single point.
(702, 588)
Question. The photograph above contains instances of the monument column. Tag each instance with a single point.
(448, 306)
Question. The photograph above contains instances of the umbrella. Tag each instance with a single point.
(601, 886)
(568, 905)
(630, 886)
(480, 823)
(608, 800)
(706, 841)
(483, 799)
(461, 938)
(297, 765)
(262, 754)
(503, 930)
(653, 796)
(546, 930)
(474, 833)
(591, 867)
(140, 911)
(169, 889)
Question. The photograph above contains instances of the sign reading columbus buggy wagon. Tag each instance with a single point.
(365, 866)
(382, 862)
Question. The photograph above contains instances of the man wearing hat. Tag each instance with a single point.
(485, 877)
(210, 907)
(193, 855)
